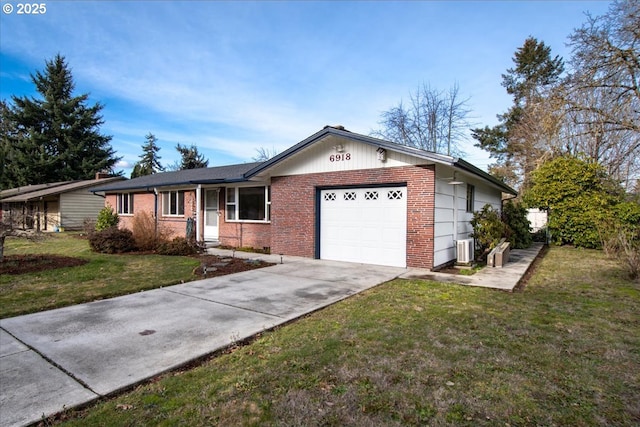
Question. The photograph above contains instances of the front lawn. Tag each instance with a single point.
(564, 351)
(103, 276)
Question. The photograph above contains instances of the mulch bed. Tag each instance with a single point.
(219, 266)
(21, 264)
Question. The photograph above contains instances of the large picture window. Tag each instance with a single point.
(248, 204)
(125, 203)
(173, 203)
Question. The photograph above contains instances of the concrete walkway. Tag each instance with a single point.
(505, 278)
(71, 356)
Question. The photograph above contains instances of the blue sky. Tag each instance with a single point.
(230, 77)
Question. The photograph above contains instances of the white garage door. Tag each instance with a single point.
(366, 225)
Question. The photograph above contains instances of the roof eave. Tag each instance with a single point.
(463, 164)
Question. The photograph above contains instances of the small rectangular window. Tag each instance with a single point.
(471, 194)
(173, 203)
(125, 203)
(231, 204)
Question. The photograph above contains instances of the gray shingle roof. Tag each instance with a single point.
(213, 175)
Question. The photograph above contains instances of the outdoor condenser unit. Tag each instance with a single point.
(464, 250)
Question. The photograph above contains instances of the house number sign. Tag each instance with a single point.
(340, 157)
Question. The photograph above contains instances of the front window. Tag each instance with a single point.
(173, 203)
(125, 204)
(248, 204)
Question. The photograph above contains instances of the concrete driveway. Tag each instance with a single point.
(63, 358)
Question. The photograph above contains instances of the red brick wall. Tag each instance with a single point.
(237, 234)
(293, 208)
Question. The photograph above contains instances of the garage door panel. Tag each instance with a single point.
(364, 225)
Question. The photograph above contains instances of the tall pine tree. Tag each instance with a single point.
(149, 159)
(191, 158)
(55, 137)
(520, 138)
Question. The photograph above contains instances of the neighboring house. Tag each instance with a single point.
(336, 195)
(54, 206)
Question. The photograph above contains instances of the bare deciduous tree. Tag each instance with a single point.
(602, 94)
(263, 154)
(434, 121)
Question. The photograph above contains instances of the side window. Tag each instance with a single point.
(125, 203)
(471, 194)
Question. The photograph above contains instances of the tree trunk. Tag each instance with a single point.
(2, 247)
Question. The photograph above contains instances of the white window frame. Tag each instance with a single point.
(166, 202)
(233, 201)
(127, 198)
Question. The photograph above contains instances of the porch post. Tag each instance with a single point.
(198, 215)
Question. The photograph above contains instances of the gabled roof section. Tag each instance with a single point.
(213, 175)
(64, 187)
(380, 143)
(340, 131)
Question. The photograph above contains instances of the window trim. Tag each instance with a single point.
(234, 204)
(168, 194)
(471, 196)
(129, 203)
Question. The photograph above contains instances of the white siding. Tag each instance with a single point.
(355, 156)
(76, 206)
(446, 228)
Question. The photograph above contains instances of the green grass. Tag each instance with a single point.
(565, 351)
(103, 276)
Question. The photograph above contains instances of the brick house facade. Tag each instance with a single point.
(277, 204)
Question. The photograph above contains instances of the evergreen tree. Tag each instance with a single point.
(191, 158)
(523, 133)
(149, 159)
(55, 137)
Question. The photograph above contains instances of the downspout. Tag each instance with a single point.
(155, 209)
(455, 214)
(198, 207)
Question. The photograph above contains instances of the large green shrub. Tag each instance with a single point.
(578, 196)
(107, 218)
(488, 228)
(518, 228)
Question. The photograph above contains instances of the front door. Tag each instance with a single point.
(211, 214)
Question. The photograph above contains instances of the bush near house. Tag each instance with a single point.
(112, 240)
(518, 228)
(107, 218)
(488, 229)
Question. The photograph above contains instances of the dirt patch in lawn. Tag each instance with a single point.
(215, 265)
(21, 264)
(219, 266)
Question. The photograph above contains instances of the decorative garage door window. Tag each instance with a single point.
(394, 194)
(350, 195)
(329, 197)
(371, 195)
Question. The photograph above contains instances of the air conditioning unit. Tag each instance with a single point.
(464, 251)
